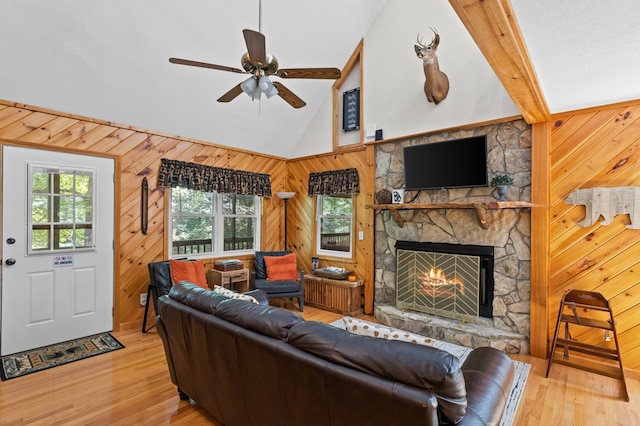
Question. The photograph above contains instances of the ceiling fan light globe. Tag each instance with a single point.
(249, 86)
(271, 92)
(264, 84)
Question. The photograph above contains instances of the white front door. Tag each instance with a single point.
(57, 247)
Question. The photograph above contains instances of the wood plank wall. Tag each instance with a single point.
(598, 147)
(302, 212)
(137, 153)
(595, 147)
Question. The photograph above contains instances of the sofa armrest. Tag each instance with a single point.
(259, 295)
(488, 375)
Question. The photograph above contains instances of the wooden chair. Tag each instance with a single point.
(581, 308)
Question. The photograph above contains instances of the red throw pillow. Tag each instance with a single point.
(188, 270)
(281, 268)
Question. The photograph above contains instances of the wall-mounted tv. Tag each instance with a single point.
(458, 163)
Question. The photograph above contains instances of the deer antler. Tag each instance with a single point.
(419, 40)
(436, 39)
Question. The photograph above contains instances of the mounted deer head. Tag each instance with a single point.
(436, 85)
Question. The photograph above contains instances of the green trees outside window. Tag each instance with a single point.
(213, 224)
(334, 226)
(61, 209)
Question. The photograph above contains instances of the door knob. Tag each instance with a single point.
(11, 240)
(10, 261)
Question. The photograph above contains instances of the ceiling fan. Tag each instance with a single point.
(257, 62)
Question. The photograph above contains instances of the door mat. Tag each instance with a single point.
(521, 371)
(33, 360)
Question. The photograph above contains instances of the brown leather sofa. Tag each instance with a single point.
(249, 364)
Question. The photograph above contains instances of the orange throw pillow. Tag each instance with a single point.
(188, 270)
(281, 268)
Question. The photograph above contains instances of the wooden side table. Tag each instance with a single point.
(237, 280)
(342, 296)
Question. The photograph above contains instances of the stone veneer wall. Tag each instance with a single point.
(509, 232)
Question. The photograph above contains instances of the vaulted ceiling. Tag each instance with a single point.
(109, 59)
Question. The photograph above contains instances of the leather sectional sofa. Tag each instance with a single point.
(249, 364)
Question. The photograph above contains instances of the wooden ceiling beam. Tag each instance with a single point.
(493, 27)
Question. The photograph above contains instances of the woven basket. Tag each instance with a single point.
(383, 196)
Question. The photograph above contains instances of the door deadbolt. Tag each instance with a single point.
(11, 240)
(10, 261)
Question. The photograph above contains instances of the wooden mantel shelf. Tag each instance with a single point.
(480, 208)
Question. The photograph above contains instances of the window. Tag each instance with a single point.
(212, 224)
(333, 226)
(61, 212)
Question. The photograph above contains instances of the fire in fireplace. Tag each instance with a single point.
(450, 280)
(435, 283)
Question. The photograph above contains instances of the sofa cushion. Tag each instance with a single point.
(190, 294)
(259, 267)
(281, 268)
(364, 328)
(233, 294)
(415, 365)
(267, 320)
(188, 270)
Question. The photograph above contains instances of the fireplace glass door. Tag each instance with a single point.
(438, 283)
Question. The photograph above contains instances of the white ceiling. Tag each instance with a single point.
(108, 59)
(585, 52)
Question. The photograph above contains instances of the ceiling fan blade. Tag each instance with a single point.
(286, 94)
(328, 73)
(256, 47)
(231, 94)
(204, 65)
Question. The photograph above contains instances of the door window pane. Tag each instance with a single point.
(61, 209)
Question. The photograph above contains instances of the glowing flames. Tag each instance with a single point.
(435, 283)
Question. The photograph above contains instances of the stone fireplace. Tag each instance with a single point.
(506, 235)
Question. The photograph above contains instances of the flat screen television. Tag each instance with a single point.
(458, 163)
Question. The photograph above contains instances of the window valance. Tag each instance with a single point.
(335, 182)
(175, 173)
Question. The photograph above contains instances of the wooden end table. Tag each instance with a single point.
(237, 280)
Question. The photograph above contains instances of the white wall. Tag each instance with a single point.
(392, 95)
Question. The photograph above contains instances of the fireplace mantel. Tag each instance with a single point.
(480, 208)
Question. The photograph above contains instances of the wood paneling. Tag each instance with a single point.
(540, 186)
(137, 153)
(598, 147)
(595, 147)
(301, 211)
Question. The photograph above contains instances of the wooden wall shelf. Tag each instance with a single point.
(480, 208)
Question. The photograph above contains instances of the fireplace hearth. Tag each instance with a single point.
(450, 280)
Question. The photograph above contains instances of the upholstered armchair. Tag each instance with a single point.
(276, 273)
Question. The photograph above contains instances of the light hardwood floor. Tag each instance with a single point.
(131, 386)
